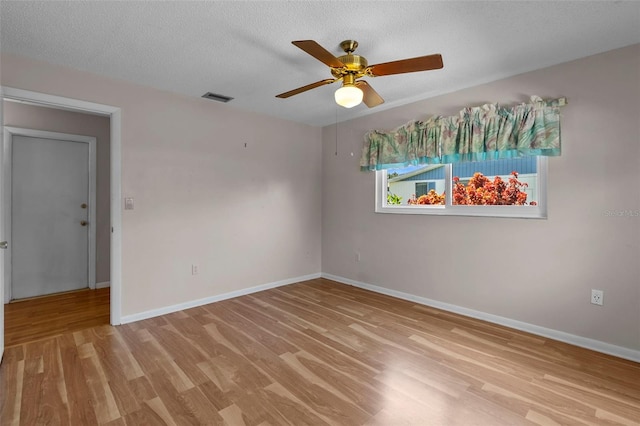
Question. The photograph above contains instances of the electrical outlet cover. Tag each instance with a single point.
(597, 297)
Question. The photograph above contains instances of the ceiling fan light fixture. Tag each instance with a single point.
(349, 96)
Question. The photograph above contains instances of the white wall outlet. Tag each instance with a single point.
(357, 256)
(597, 297)
(128, 203)
(195, 269)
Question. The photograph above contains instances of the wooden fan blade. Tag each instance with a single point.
(370, 97)
(305, 88)
(319, 52)
(421, 63)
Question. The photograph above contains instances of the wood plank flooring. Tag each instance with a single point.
(39, 317)
(313, 353)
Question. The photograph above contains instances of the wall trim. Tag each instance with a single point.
(212, 299)
(572, 339)
(103, 284)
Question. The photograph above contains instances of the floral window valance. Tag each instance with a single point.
(478, 133)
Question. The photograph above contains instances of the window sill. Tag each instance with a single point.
(519, 212)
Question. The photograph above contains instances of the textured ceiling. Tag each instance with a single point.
(243, 49)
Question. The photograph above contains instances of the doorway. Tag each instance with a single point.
(49, 209)
(114, 232)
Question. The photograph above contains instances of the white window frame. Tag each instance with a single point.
(538, 211)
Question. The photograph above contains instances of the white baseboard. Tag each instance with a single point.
(572, 339)
(103, 284)
(194, 303)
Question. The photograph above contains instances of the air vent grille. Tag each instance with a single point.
(216, 97)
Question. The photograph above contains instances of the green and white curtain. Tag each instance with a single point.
(478, 133)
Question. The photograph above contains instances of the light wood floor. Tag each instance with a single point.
(39, 317)
(313, 353)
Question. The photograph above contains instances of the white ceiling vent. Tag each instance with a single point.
(216, 97)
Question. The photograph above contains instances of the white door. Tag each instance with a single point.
(50, 215)
(3, 242)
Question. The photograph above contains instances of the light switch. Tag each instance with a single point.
(128, 203)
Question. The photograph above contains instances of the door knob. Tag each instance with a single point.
(83, 205)
(83, 222)
(4, 244)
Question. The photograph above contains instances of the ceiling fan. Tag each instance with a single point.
(350, 67)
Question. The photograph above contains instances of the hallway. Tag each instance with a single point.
(40, 317)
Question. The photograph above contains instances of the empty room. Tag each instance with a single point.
(320, 213)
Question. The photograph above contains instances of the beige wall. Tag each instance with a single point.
(479, 263)
(246, 216)
(55, 120)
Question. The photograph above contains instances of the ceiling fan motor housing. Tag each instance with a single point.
(353, 64)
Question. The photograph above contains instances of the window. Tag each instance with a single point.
(514, 187)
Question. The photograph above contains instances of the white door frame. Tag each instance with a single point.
(9, 134)
(115, 115)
